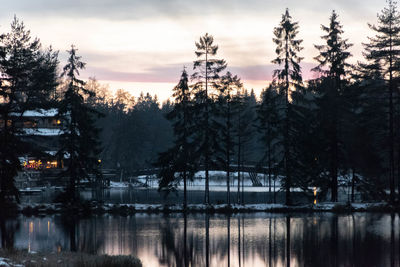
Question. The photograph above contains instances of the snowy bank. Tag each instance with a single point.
(87, 208)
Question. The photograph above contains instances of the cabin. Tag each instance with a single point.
(42, 129)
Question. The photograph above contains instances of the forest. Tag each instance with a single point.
(342, 128)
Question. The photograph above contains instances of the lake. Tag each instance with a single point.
(258, 239)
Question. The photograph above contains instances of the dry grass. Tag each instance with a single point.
(68, 259)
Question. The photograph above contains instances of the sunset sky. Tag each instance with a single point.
(142, 45)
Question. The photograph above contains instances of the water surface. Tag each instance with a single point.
(261, 239)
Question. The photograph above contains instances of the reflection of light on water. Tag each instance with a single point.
(30, 227)
(30, 236)
(315, 195)
(262, 238)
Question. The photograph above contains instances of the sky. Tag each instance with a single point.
(142, 45)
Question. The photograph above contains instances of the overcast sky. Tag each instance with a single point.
(142, 45)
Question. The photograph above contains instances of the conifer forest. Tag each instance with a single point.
(307, 159)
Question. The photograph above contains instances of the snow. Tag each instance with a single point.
(41, 131)
(3, 263)
(262, 207)
(52, 153)
(119, 184)
(217, 182)
(41, 113)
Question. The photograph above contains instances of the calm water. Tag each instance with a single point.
(152, 196)
(260, 239)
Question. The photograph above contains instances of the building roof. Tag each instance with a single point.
(39, 113)
(42, 131)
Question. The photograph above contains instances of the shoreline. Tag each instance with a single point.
(92, 208)
(21, 258)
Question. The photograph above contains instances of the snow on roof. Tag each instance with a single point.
(42, 131)
(39, 113)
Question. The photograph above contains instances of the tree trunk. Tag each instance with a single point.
(207, 152)
(238, 166)
(184, 190)
(228, 189)
(269, 163)
(391, 139)
(352, 185)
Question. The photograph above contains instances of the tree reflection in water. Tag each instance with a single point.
(82, 233)
(238, 240)
(8, 228)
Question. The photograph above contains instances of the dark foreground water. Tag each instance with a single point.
(262, 239)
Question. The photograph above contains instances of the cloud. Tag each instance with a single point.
(171, 73)
(137, 9)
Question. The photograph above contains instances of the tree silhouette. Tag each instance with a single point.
(180, 158)
(287, 48)
(207, 74)
(382, 54)
(79, 138)
(332, 65)
(27, 80)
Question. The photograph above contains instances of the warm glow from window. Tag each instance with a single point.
(38, 164)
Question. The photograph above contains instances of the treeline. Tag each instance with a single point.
(342, 127)
(97, 129)
(339, 129)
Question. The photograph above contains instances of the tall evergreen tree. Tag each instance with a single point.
(226, 112)
(28, 77)
(179, 158)
(80, 137)
(332, 65)
(207, 75)
(382, 54)
(287, 49)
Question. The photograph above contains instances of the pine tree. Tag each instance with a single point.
(332, 65)
(382, 54)
(179, 158)
(80, 137)
(28, 77)
(207, 76)
(288, 77)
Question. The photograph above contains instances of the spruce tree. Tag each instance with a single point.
(80, 138)
(289, 78)
(28, 78)
(179, 158)
(382, 53)
(207, 75)
(332, 65)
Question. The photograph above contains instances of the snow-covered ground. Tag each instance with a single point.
(217, 182)
(4, 262)
(119, 184)
(262, 207)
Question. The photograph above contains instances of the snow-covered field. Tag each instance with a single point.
(217, 182)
